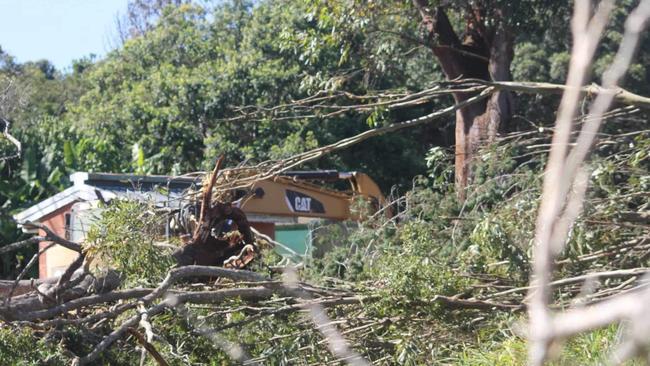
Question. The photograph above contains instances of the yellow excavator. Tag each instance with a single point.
(295, 194)
(291, 194)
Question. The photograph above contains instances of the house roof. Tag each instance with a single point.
(161, 189)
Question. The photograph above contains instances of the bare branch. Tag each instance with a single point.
(4, 128)
(564, 170)
(178, 274)
(206, 202)
(21, 244)
(84, 302)
(621, 95)
(148, 347)
(24, 272)
(51, 236)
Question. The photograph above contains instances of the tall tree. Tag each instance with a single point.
(484, 51)
(449, 40)
(141, 16)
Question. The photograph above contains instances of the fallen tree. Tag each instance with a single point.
(419, 286)
(120, 311)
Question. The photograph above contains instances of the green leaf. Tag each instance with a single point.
(68, 154)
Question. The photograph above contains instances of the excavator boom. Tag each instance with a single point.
(295, 194)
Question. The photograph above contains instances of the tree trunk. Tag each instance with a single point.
(483, 53)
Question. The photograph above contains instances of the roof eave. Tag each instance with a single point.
(36, 212)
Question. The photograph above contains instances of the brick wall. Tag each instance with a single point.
(57, 256)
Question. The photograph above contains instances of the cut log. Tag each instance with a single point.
(42, 297)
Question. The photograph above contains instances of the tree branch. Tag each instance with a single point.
(21, 244)
(206, 202)
(621, 95)
(51, 236)
(148, 347)
(178, 274)
(24, 272)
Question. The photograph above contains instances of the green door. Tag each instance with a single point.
(295, 237)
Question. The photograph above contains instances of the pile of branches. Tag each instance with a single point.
(209, 270)
(89, 300)
(98, 304)
(613, 259)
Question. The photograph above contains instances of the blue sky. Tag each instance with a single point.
(58, 30)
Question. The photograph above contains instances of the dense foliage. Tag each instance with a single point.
(163, 103)
(126, 241)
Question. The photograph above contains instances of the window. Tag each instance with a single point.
(68, 225)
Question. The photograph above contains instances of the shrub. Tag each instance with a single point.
(126, 238)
